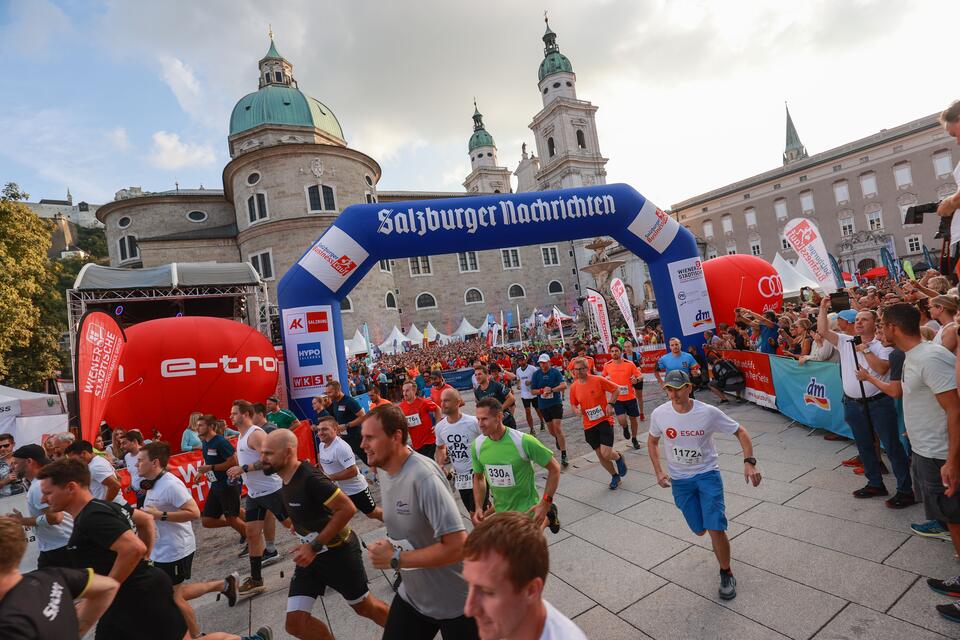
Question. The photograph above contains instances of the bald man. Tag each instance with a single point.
(329, 552)
(455, 432)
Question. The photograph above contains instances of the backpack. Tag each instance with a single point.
(515, 435)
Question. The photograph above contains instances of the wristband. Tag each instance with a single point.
(547, 498)
(42, 518)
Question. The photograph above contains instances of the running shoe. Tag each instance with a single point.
(263, 633)
(626, 432)
(870, 492)
(931, 529)
(563, 459)
(244, 552)
(621, 466)
(543, 427)
(230, 588)
(553, 519)
(852, 462)
(949, 587)
(636, 445)
(901, 500)
(270, 557)
(728, 586)
(614, 481)
(950, 611)
(251, 587)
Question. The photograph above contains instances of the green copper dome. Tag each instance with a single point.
(480, 137)
(553, 60)
(282, 105)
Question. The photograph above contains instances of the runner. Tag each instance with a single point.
(349, 415)
(455, 433)
(676, 360)
(437, 385)
(422, 414)
(172, 507)
(283, 418)
(487, 387)
(525, 372)
(548, 383)
(588, 394)
(263, 495)
(637, 360)
(222, 507)
(689, 426)
(329, 552)
(376, 399)
(624, 374)
(260, 417)
(502, 457)
(337, 461)
(52, 529)
(506, 563)
(104, 483)
(581, 352)
(131, 443)
(425, 536)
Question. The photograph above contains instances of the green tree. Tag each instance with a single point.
(93, 241)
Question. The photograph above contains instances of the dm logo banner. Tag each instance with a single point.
(810, 393)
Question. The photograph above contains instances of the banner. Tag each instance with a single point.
(693, 301)
(810, 393)
(309, 349)
(805, 238)
(649, 354)
(928, 258)
(619, 292)
(558, 318)
(598, 308)
(837, 272)
(756, 372)
(908, 269)
(892, 271)
(100, 342)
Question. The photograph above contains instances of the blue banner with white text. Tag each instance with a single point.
(810, 393)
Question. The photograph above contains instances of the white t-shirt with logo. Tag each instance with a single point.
(457, 438)
(100, 470)
(175, 540)
(337, 457)
(687, 438)
(525, 377)
(559, 627)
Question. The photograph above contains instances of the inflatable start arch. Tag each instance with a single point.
(310, 292)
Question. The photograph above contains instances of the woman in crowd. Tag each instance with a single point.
(190, 440)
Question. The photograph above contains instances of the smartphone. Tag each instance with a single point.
(839, 301)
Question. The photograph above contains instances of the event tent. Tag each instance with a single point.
(791, 278)
(394, 341)
(432, 334)
(465, 329)
(414, 335)
(356, 345)
(29, 415)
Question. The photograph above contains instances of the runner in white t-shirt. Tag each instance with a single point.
(688, 426)
(172, 506)
(524, 379)
(104, 483)
(505, 564)
(340, 465)
(455, 433)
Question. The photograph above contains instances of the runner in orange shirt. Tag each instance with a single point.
(376, 400)
(588, 395)
(624, 374)
(582, 353)
(422, 414)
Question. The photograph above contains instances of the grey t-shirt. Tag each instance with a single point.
(928, 369)
(418, 509)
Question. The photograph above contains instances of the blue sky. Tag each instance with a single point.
(105, 95)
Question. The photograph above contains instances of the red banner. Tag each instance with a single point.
(100, 342)
(756, 372)
(649, 354)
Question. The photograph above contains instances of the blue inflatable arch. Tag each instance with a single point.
(309, 294)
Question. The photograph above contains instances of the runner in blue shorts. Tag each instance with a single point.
(687, 427)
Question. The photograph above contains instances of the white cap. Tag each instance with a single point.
(543, 358)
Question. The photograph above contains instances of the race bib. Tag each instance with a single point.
(595, 413)
(547, 393)
(623, 391)
(211, 476)
(463, 481)
(526, 385)
(414, 420)
(500, 475)
(686, 456)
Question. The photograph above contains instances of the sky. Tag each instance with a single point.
(103, 95)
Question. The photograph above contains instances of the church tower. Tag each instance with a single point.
(565, 129)
(794, 149)
(486, 176)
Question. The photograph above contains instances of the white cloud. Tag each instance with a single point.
(188, 91)
(119, 139)
(169, 152)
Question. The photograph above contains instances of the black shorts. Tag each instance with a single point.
(222, 501)
(509, 420)
(257, 507)
(529, 402)
(928, 487)
(145, 605)
(428, 450)
(466, 495)
(364, 501)
(406, 623)
(178, 571)
(630, 407)
(61, 557)
(599, 434)
(340, 568)
(352, 437)
(638, 385)
(553, 412)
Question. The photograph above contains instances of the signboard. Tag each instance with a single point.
(310, 346)
(619, 291)
(598, 308)
(804, 236)
(756, 373)
(654, 227)
(690, 289)
(810, 393)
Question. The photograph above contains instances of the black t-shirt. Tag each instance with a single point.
(306, 497)
(896, 365)
(95, 529)
(40, 606)
(345, 409)
(494, 389)
(217, 450)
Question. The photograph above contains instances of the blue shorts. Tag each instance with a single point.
(629, 407)
(700, 498)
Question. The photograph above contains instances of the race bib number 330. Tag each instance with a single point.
(500, 475)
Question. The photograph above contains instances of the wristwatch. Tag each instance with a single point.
(395, 560)
(163, 516)
(752, 461)
(243, 468)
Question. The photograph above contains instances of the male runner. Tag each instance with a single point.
(260, 417)
(263, 494)
(525, 372)
(676, 360)
(329, 552)
(421, 415)
(455, 433)
(283, 418)
(588, 394)
(581, 350)
(637, 360)
(502, 457)
(52, 529)
(688, 426)
(548, 384)
(222, 507)
(349, 415)
(376, 398)
(131, 443)
(425, 536)
(338, 463)
(624, 374)
(437, 386)
(486, 387)
(104, 483)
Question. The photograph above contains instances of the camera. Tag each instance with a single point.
(915, 213)
(857, 341)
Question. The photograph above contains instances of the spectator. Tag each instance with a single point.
(9, 483)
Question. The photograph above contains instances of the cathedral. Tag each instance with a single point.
(291, 173)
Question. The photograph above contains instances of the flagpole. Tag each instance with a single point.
(519, 326)
(556, 314)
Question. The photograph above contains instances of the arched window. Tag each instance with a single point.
(426, 301)
(581, 139)
(555, 287)
(551, 149)
(516, 291)
(391, 300)
(346, 305)
(473, 296)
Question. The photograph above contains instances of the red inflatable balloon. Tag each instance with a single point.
(174, 366)
(742, 281)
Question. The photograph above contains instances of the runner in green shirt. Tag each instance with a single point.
(503, 459)
(283, 418)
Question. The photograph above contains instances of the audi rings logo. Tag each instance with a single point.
(770, 286)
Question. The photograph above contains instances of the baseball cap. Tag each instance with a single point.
(31, 452)
(848, 315)
(676, 379)
(436, 373)
(543, 358)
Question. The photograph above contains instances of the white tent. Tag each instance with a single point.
(414, 335)
(356, 345)
(432, 334)
(563, 317)
(464, 330)
(29, 415)
(394, 341)
(792, 279)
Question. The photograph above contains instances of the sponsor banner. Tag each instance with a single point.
(619, 291)
(649, 354)
(333, 258)
(804, 236)
(810, 393)
(654, 227)
(837, 272)
(693, 302)
(598, 307)
(310, 349)
(756, 373)
(100, 342)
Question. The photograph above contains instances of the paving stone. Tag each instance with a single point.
(856, 622)
(666, 518)
(865, 541)
(782, 471)
(768, 491)
(343, 620)
(793, 454)
(868, 583)
(673, 613)
(600, 623)
(917, 607)
(635, 480)
(789, 607)
(870, 511)
(609, 580)
(568, 600)
(597, 494)
(571, 510)
(734, 504)
(929, 558)
(640, 545)
(553, 538)
(841, 480)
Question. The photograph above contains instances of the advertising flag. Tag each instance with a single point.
(837, 271)
(100, 342)
(804, 236)
(908, 269)
(892, 271)
(619, 292)
(927, 257)
(558, 318)
(598, 308)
